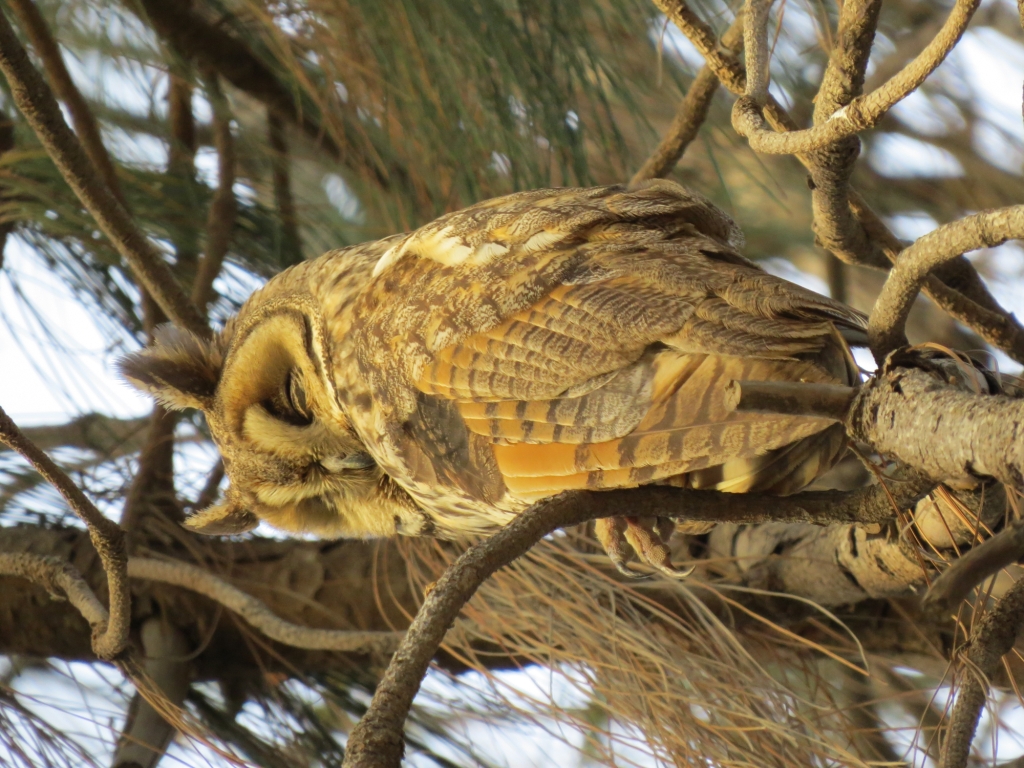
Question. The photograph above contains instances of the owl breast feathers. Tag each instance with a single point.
(556, 339)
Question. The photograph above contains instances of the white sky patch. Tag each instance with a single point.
(53, 382)
(342, 197)
(500, 163)
(929, 114)
(895, 155)
(910, 226)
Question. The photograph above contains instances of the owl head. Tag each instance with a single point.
(265, 388)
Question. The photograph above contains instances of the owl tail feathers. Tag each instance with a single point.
(179, 369)
(225, 519)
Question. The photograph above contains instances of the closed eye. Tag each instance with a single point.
(289, 403)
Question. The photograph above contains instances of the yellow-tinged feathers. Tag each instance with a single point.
(442, 380)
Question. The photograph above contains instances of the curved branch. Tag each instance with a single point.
(862, 238)
(377, 739)
(106, 536)
(36, 101)
(861, 113)
(994, 637)
(908, 275)
(53, 574)
(971, 569)
(692, 112)
(199, 580)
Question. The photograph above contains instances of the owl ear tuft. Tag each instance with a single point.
(179, 369)
(225, 519)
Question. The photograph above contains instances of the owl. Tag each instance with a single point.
(441, 382)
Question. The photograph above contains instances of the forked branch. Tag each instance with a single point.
(908, 275)
(861, 113)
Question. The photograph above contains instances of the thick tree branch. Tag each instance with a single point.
(106, 536)
(948, 242)
(36, 101)
(861, 113)
(940, 430)
(993, 638)
(199, 580)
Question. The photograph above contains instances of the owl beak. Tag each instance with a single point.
(357, 460)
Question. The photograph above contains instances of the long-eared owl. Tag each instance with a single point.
(442, 381)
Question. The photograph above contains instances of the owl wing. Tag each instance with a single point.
(573, 393)
(584, 339)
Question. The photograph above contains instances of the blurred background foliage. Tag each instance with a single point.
(355, 119)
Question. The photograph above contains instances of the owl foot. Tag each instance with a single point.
(646, 537)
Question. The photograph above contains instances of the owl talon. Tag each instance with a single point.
(629, 572)
(645, 537)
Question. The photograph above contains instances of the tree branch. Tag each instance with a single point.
(290, 241)
(377, 739)
(971, 569)
(861, 113)
(938, 429)
(827, 401)
(55, 576)
(993, 638)
(36, 101)
(692, 112)
(147, 733)
(948, 242)
(107, 537)
(197, 579)
(866, 240)
(223, 209)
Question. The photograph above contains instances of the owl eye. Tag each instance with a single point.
(296, 395)
(289, 404)
(357, 460)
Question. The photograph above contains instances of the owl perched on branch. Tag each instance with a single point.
(442, 381)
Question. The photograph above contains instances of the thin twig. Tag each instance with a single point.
(199, 580)
(864, 111)
(36, 101)
(220, 220)
(993, 638)
(692, 112)
(982, 230)
(971, 569)
(106, 536)
(59, 578)
(290, 241)
(82, 118)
